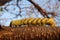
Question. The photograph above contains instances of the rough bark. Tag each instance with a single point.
(30, 33)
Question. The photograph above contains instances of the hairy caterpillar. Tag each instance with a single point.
(33, 21)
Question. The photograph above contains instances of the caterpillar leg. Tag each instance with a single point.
(13, 26)
(17, 25)
(43, 24)
(25, 25)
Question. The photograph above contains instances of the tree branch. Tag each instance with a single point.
(42, 11)
(3, 2)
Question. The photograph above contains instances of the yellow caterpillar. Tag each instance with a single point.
(33, 21)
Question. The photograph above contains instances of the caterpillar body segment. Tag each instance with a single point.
(33, 21)
(15, 23)
(39, 21)
(22, 21)
(43, 21)
(30, 21)
(25, 21)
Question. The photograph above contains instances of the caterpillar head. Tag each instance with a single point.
(51, 22)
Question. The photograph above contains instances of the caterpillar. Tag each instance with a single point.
(33, 21)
